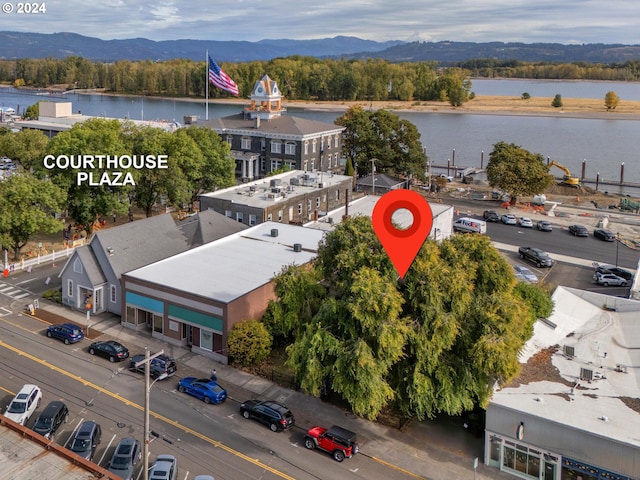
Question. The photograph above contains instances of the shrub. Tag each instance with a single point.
(249, 342)
(525, 96)
(557, 101)
(53, 294)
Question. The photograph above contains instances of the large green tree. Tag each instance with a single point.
(384, 136)
(28, 207)
(517, 171)
(436, 341)
(27, 146)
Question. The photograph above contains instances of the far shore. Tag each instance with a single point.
(480, 105)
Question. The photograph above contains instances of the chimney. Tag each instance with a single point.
(257, 125)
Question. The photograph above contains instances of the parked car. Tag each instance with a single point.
(523, 273)
(126, 456)
(160, 365)
(164, 468)
(269, 412)
(24, 404)
(470, 225)
(490, 216)
(67, 332)
(578, 230)
(537, 256)
(509, 219)
(607, 279)
(114, 351)
(621, 272)
(86, 439)
(339, 442)
(525, 222)
(204, 389)
(53, 415)
(203, 477)
(544, 226)
(604, 234)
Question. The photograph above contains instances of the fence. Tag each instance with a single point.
(29, 263)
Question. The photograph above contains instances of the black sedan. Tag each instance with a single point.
(604, 234)
(110, 349)
(578, 231)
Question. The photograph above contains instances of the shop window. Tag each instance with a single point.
(206, 340)
(157, 324)
(131, 315)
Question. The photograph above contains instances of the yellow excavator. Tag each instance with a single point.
(568, 179)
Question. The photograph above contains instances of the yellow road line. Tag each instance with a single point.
(199, 435)
(395, 467)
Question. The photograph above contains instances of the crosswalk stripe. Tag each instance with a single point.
(18, 297)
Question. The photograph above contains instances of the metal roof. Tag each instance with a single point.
(23, 458)
(283, 126)
(229, 268)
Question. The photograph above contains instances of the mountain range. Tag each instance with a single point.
(14, 45)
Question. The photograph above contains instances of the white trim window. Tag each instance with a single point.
(246, 143)
(113, 294)
(228, 213)
(314, 145)
(70, 288)
(239, 217)
(77, 266)
(229, 139)
(276, 146)
(252, 219)
(306, 147)
(336, 141)
(290, 148)
(263, 144)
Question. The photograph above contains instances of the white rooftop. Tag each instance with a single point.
(228, 268)
(364, 206)
(605, 341)
(292, 184)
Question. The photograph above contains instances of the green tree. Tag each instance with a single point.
(28, 207)
(26, 146)
(382, 135)
(437, 341)
(557, 101)
(348, 168)
(611, 100)
(517, 171)
(32, 112)
(525, 96)
(249, 342)
(94, 137)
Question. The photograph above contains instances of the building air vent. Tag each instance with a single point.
(274, 232)
(271, 196)
(321, 185)
(586, 374)
(294, 181)
(276, 190)
(297, 247)
(569, 351)
(274, 182)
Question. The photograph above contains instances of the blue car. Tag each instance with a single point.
(67, 332)
(204, 389)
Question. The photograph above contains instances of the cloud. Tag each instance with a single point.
(528, 21)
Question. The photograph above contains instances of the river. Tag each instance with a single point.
(602, 145)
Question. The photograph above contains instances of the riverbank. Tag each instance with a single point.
(480, 105)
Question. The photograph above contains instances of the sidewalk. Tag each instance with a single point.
(433, 450)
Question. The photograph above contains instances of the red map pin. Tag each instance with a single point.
(402, 246)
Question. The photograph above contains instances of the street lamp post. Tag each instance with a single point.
(617, 246)
(147, 388)
(373, 176)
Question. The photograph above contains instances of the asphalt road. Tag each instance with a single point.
(211, 439)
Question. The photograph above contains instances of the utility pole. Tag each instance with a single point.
(373, 176)
(147, 388)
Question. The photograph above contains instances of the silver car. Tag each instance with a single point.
(607, 279)
(165, 468)
(125, 457)
(523, 273)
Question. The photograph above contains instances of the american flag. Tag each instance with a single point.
(221, 79)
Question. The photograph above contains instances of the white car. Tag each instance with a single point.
(509, 219)
(523, 273)
(24, 404)
(525, 222)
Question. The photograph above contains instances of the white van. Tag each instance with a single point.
(470, 225)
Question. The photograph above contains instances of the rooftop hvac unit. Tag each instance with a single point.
(252, 188)
(271, 196)
(276, 190)
(569, 351)
(586, 374)
(321, 185)
(294, 181)
(274, 182)
(274, 232)
(297, 247)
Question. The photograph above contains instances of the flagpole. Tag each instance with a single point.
(206, 82)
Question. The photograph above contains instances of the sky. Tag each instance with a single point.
(527, 21)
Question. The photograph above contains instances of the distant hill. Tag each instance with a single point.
(455, 52)
(61, 45)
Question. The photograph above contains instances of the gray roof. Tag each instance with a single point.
(90, 265)
(135, 244)
(382, 180)
(284, 125)
(207, 226)
(233, 266)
